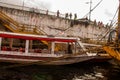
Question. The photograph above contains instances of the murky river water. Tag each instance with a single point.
(82, 71)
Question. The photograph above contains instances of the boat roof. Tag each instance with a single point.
(36, 37)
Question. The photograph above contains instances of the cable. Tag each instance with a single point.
(114, 17)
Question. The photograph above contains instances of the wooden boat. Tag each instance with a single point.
(60, 50)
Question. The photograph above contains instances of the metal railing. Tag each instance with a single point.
(24, 8)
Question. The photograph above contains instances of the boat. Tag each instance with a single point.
(113, 45)
(60, 50)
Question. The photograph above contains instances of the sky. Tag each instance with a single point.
(103, 12)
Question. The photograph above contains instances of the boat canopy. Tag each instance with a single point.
(36, 37)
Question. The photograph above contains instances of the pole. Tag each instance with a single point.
(23, 5)
(52, 47)
(27, 46)
(90, 10)
(118, 26)
(0, 43)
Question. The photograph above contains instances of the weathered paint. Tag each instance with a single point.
(53, 25)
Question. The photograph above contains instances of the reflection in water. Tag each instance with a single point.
(87, 71)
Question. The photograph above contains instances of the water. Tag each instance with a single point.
(82, 71)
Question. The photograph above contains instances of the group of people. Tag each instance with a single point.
(99, 23)
(6, 48)
(66, 15)
(70, 16)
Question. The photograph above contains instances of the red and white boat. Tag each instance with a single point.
(73, 51)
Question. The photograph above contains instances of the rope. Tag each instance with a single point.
(111, 25)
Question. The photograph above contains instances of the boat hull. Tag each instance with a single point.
(41, 60)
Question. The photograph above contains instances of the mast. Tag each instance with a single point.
(118, 26)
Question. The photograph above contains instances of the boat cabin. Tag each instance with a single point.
(27, 43)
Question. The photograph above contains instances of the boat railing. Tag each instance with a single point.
(85, 50)
(30, 54)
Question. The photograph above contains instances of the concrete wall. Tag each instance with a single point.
(53, 25)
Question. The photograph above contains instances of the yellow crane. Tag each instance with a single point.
(113, 48)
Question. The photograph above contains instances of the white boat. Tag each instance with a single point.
(60, 50)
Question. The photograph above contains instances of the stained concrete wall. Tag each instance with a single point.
(53, 25)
